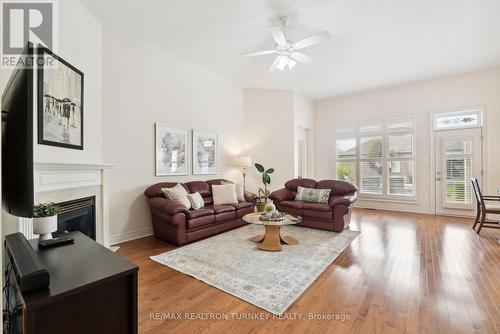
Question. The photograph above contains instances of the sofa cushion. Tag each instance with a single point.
(312, 195)
(223, 216)
(200, 221)
(222, 208)
(241, 212)
(200, 213)
(177, 193)
(292, 204)
(196, 200)
(317, 214)
(199, 186)
(155, 189)
(242, 208)
(317, 206)
(337, 187)
(242, 205)
(317, 210)
(208, 200)
(294, 183)
(240, 191)
(224, 194)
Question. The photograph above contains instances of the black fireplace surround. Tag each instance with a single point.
(77, 215)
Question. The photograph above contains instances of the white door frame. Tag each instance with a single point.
(432, 154)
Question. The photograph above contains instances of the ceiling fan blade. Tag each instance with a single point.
(301, 58)
(259, 53)
(311, 40)
(274, 65)
(278, 35)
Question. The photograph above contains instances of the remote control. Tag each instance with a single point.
(64, 240)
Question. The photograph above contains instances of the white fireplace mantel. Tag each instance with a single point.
(56, 179)
(51, 176)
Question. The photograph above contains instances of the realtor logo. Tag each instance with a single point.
(27, 21)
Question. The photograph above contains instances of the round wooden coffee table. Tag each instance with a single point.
(272, 239)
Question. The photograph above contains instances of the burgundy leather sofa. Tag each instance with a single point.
(174, 223)
(334, 216)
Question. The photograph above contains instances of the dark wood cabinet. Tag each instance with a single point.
(92, 290)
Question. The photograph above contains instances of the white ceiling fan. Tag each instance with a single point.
(287, 51)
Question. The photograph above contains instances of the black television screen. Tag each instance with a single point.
(17, 141)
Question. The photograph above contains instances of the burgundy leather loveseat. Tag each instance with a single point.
(174, 223)
(334, 216)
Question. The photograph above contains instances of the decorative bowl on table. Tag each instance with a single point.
(274, 216)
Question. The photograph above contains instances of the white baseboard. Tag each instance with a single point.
(130, 235)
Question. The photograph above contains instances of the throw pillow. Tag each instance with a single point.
(240, 192)
(196, 200)
(312, 195)
(224, 194)
(177, 193)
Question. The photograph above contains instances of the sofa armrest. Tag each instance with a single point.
(281, 195)
(167, 206)
(250, 197)
(347, 199)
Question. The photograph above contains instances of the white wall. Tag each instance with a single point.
(143, 86)
(269, 134)
(304, 129)
(420, 99)
(80, 43)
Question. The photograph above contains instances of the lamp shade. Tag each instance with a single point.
(242, 161)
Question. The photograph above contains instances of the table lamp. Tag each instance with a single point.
(243, 161)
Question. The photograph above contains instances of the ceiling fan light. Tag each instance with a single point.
(282, 63)
(291, 63)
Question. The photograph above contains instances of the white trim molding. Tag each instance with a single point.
(54, 181)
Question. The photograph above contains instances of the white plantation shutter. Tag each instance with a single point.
(400, 145)
(370, 177)
(458, 160)
(379, 158)
(346, 166)
(401, 180)
(370, 147)
(372, 127)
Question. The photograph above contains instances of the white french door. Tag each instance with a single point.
(458, 158)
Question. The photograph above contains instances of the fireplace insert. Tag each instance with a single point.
(77, 215)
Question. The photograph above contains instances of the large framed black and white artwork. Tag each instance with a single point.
(172, 150)
(60, 102)
(205, 152)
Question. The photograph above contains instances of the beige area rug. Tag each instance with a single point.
(269, 280)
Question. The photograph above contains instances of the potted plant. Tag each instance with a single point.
(45, 220)
(263, 193)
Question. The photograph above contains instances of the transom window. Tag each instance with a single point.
(378, 157)
(457, 120)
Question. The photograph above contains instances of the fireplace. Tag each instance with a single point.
(77, 215)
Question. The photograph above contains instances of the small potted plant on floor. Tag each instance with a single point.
(263, 193)
(45, 220)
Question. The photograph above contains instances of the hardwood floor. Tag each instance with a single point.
(405, 273)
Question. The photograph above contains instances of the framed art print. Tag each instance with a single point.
(205, 152)
(172, 150)
(60, 102)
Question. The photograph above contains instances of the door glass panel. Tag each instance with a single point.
(458, 171)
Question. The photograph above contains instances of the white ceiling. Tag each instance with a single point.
(373, 43)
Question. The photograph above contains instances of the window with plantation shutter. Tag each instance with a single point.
(457, 160)
(378, 157)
